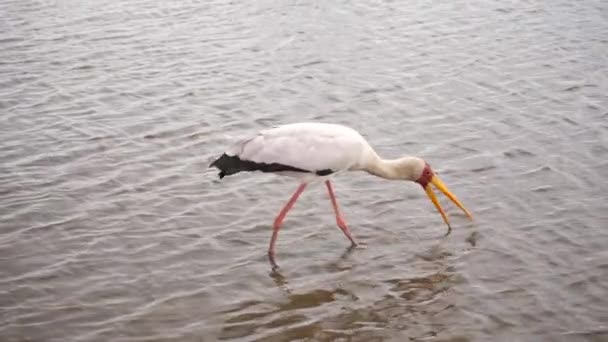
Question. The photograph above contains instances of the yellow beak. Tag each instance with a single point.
(443, 188)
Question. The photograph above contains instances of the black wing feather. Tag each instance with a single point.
(229, 165)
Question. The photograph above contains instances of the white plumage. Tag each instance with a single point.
(318, 150)
(307, 146)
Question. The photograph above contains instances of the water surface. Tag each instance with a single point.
(113, 229)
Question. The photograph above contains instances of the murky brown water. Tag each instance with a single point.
(113, 228)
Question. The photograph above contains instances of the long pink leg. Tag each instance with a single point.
(339, 219)
(277, 221)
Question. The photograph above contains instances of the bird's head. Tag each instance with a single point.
(419, 171)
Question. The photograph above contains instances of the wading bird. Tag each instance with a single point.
(310, 151)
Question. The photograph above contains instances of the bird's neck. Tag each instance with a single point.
(395, 169)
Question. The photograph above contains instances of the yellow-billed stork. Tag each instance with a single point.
(309, 151)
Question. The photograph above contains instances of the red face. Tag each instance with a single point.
(425, 177)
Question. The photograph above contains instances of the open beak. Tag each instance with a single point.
(443, 188)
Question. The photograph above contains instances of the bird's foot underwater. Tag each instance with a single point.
(357, 245)
(273, 264)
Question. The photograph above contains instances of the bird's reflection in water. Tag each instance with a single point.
(281, 281)
(417, 298)
(472, 238)
(348, 251)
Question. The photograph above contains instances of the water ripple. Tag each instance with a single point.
(113, 228)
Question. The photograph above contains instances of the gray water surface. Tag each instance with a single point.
(112, 228)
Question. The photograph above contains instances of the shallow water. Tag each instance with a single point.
(113, 228)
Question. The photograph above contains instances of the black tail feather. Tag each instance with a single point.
(227, 165)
